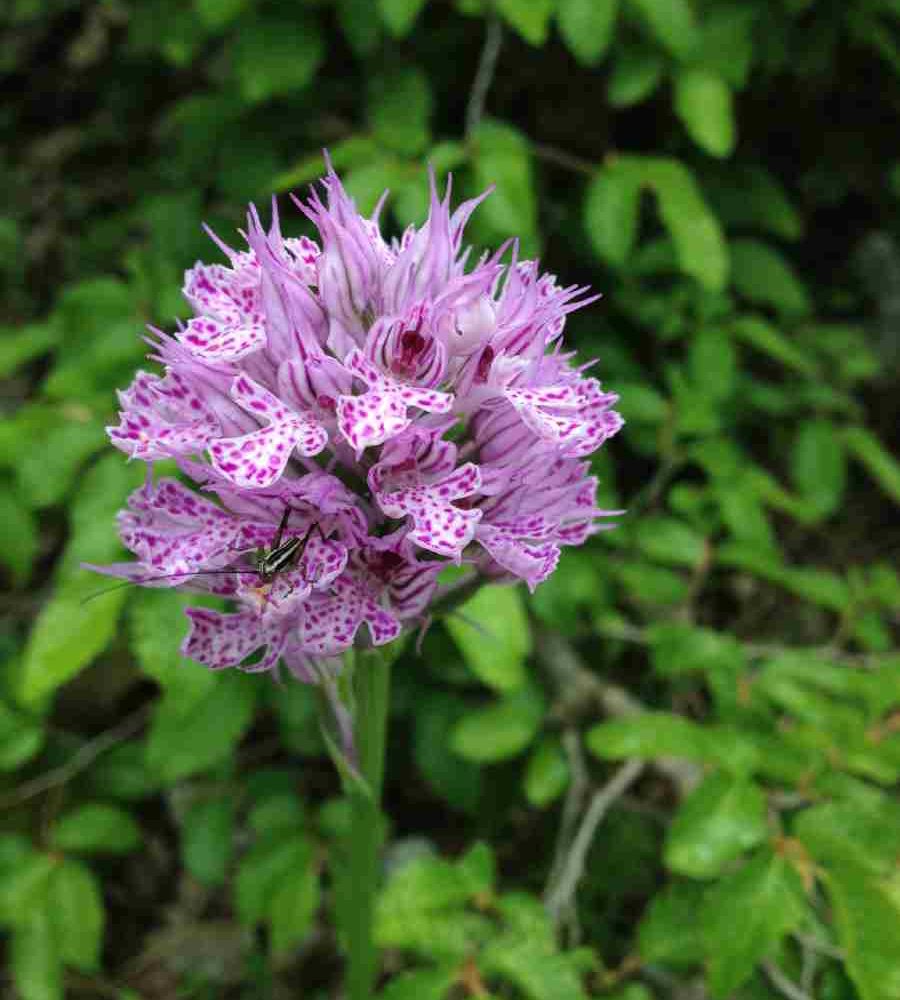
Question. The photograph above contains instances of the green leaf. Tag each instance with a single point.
(726, 41)
(713, 364)
(587, 27)
(353, 151)
(530, 18)
(641, 403)
(76, 911)
(454, 779)
(400, 15)
(492, 632)
(207, 836)
(277, 55)
(882, 466)
(651, 735)
(648, 584)
(96, 828)
(35, 959)
(69, 634)
(187, 739)
(818, 465)
(764, 899)
(24, 888)
(421, 984)
(502, 730)
(761, 274)
(699, 243)
(668, 540)
(18, 535)
(218, 14)
(502, 156)
(703, 103)
(400, 106)
(867, 918)
(842, 833)
(158, 626)
(668, 931)
(715, 824)
(20, 345)
(294, 904)
(547, 773)
(678, 648)
(611, 210)
(360, 28)
(20, 738)
(637, 71)
(751, 197)
(671, 22)
(263, 871)
(759, 333)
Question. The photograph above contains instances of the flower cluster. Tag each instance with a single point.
(372, 411)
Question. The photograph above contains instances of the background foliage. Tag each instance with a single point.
(675, 771)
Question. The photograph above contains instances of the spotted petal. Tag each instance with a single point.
(212, 340)
(330, 623)
(438, 525)
(257, 459)
(225, 640)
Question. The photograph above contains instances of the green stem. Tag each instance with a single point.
(372, 686)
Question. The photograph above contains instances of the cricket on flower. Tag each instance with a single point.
(360, 414)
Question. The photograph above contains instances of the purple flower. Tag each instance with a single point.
(357, 415)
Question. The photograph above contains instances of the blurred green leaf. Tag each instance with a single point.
(96, 827)
(207, 835)
(277, 55)
(649, 584)
(671, 22)
(20, 738)
(637, 71)
(718, 821)
(294, 903)
(492, 632)
(759, 333)
(668, 931)
(400, 15)
(399, 109)
(530, 18)
(456, 780)
(818, 465)
(35, 959)
(18, 535)
(764, 898)
(264, 869)
(611, 210)
(699, 244)
(881, 465)
(68, 634)
(75, 905)
(18, 346)
(421, 984)
(502, 157)
(752, 197)
(218, 14)
(678, 648)
(669, 540)
(761, 274)
(501, 730)
(587, 27)
(24, 887)
(727, 40)
(185, 739)
(703, 103)
(547, 773)
(651, 735)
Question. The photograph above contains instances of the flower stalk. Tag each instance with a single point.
(372, 694)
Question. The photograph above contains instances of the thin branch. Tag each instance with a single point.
(80, 761)
(484, 75)
(560, 158)
(563, 893)
(822, 947)
(787, 987)
(581, 694)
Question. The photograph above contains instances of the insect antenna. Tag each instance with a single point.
(155, 579)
